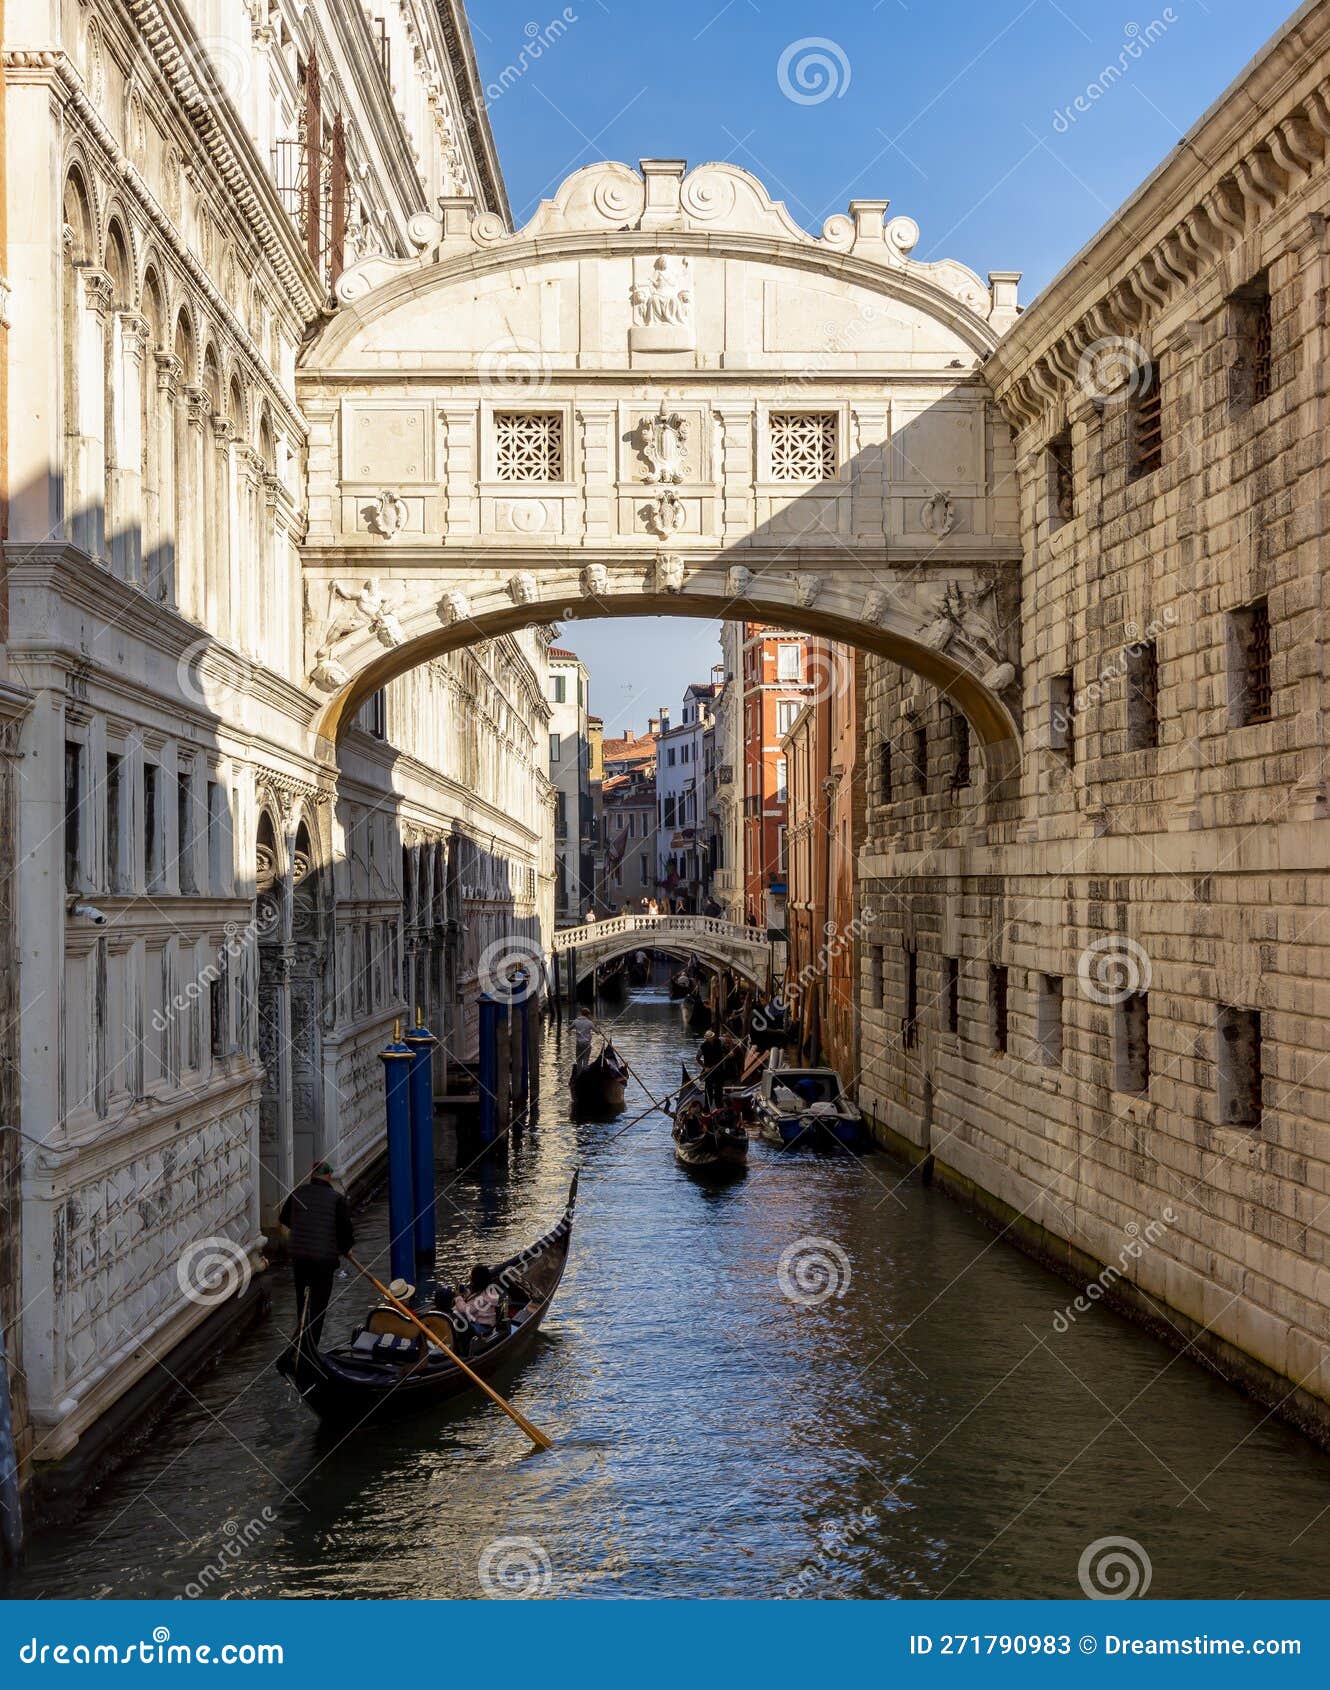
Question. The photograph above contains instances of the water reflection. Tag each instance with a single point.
(924, 1431)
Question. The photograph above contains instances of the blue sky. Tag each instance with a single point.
(950, 109)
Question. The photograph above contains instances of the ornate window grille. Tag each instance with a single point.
(528, 445)
(1147, 423)
(803, 445)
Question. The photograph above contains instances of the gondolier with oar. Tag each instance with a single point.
(319, 1219)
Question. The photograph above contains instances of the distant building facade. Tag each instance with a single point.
(776, 684)
(570, 775)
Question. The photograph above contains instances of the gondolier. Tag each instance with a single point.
(319, 1220)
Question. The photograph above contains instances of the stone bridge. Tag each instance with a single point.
(662, 397)
(724, 944)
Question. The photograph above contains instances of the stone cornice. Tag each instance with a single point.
(471, 102)
(1217, 188)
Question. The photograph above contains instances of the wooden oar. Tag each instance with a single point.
(533, 1432)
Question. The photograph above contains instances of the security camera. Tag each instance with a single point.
(89, 912)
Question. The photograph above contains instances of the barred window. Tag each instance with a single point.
(528, 445)
(1142, 696)
(1062, 478)
(803, 445)
(1252, 372)
(1250, 692)
(1146, 417)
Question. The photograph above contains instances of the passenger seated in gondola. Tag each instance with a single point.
(482, 1302)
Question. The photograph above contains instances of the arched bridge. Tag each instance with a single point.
(724, 944)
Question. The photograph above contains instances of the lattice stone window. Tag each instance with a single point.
(528, 445)
(803, 445)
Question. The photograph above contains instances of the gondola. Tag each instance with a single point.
(612, 979)
(382, 1370)
(696, 1013)
(599, 1081)
(639, 968)
(711, 1141)
(680, 985)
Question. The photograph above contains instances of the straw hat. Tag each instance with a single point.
(401, 1290)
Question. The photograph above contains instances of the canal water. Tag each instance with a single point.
(911, 1422)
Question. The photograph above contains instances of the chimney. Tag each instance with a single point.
(653, 726)
(664, 719)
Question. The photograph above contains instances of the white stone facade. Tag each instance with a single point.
(216, 922)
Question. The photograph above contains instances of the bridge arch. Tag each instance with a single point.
(662, 397)
(722, 944)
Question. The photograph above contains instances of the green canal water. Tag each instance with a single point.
(924, 1430)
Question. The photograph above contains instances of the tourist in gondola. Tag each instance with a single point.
(482, 1301)
(319, 1219)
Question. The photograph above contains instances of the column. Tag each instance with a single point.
(162, 512)
(87, 517)
(124, 456)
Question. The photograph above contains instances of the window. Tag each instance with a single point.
(558, 689)
(528, 445)
(216, 837)
(1145, 424)
(670, 810)
(1061, 479)
(919, 756)
(1131, 1044)
(910, 1022)
(782, 781)
(117, 878)
(1062, 716)
(218, 1008)
(1239, 1058)
(1048, 1019)
(952, 993)
(184, 820)
(960, 750)
(152, 827)
(1252, 371)
(376, 714)
(685, 752)
(789, 662)
(803, 445)
(554, 749)
(884, 770)
(997, 1007)
(73, 814)
(1142, 696)
(1250, 697)
(787, 709)
(669, 757)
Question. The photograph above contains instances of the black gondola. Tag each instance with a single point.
(612, 979)
(710, 1141)
(382, 1369)
(639, 968)
(681, 985)
(696, 1013)
(599, 1081)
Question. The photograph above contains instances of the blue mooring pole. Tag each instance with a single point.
(491, 1015)
(401, 1185)
(422, 1042)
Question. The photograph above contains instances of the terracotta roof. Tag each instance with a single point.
(568, 656)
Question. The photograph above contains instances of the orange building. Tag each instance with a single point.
(775, 688)
(824, 830)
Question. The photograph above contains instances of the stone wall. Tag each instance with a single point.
(1121, 959)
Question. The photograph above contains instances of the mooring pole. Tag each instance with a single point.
(572, 984)
(421, 1043)
(491, 1011)
(401, 1183)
